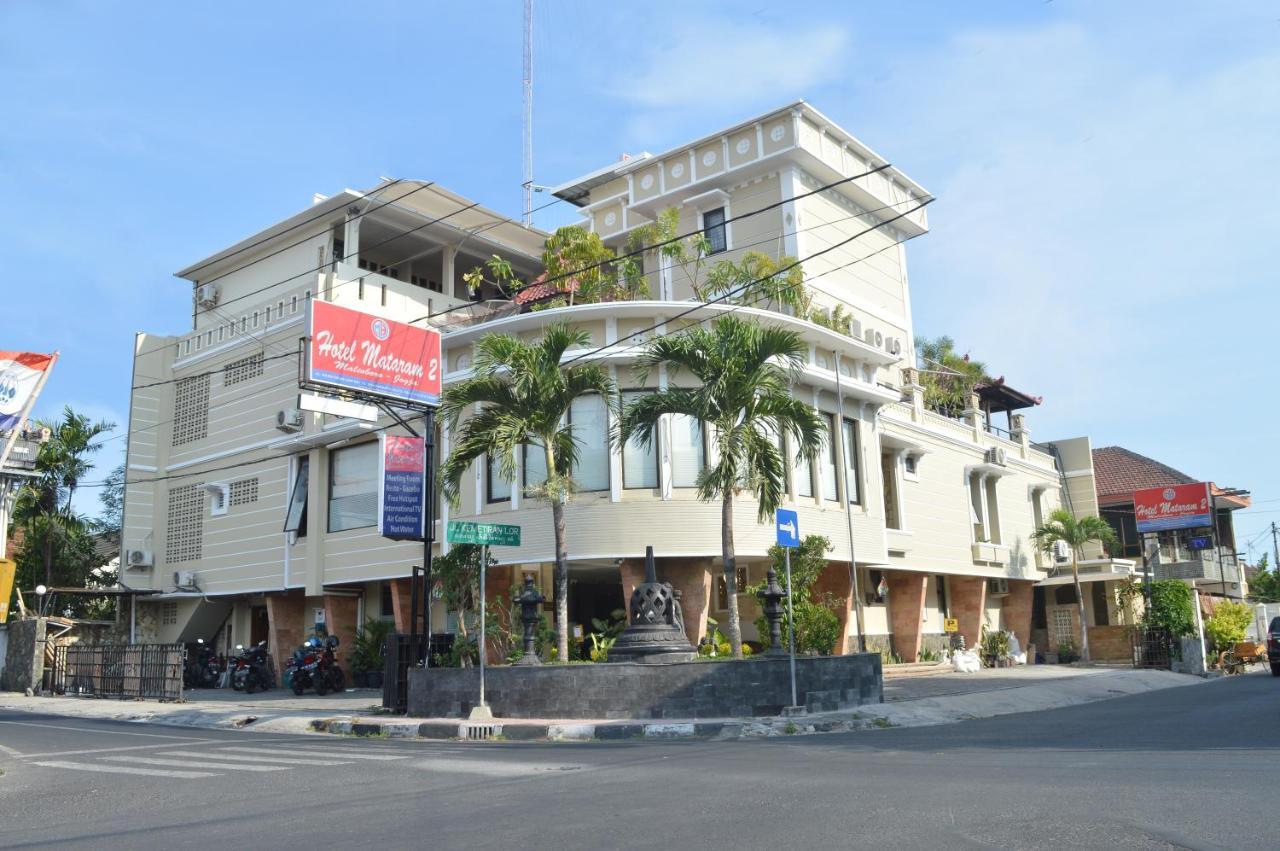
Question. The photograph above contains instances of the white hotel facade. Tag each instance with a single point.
(938, 512)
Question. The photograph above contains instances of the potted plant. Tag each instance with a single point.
(1067, 652)
(367, 660)
(994, 647)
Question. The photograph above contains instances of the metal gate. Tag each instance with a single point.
(403, 652)
(118, 670)
(1154, 647)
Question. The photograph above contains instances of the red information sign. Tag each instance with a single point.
(350, 350)
(1173, 507)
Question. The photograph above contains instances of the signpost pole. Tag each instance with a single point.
(484, 563)
(791, 620)
(428, 524)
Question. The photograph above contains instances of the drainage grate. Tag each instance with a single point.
(480, 732)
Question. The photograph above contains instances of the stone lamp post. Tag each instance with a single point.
(772, 596)
(529, 599)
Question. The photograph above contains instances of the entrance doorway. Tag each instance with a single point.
(595, 595)
(259, 625)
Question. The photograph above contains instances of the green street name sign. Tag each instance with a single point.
(494, 534)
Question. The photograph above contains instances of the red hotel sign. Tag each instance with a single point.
(1174, 507)
(350, 350)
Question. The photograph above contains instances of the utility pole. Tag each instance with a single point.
(1275, 547)
(528, 113)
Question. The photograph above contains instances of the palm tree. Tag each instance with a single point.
(746, 372)
(523, 395)
(1062, 525)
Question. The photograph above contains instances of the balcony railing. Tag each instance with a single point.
(1181, 563)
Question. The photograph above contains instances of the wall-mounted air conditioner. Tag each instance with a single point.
(893, 345)
(289, 419)
(1061, 550)
(138, 559)
(997, 587)
(184, 579)
(996, 455)
(207, 295)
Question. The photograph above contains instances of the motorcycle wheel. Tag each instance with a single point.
(237, 684)
(322, 686)
(250, 684)
(338, 680)
(298, 688)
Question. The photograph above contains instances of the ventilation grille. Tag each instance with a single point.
(239, 371)
(480, 732)
(184, 536)
(244, 492)
(191, 410)
(168, 614)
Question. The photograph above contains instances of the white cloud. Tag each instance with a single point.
(728, 63)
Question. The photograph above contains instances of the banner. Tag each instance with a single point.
(354, 351)
(7, 569)
(402, 487)
(20, 374)
(1176, 507)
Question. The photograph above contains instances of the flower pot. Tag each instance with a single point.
(360, 679)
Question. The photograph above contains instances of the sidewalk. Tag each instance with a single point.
(909, 702)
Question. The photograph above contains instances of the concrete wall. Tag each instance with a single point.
(753, 687)
(24, 655)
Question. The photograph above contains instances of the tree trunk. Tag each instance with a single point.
(562, 583)
(1084, 626)
(48, 552)
(730, 573)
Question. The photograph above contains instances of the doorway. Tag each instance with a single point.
(259, 625)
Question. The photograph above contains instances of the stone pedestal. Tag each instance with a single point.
(656, 632)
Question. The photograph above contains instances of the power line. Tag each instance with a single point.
(203, 374)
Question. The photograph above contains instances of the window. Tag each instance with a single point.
(827, 459)
(191, 410)
(295, 519)
(219, 499)
(688, 451)
(889, 470)
(639, 463)
(714, 227)
(909, 466)
(184, 531)
(535, 467)
(851, 461)
(386, 607)
(339, 249)
(1101, 616)
(353, 487)
(876, 590)
(589, 419)
(993, 511)
(722, 587)
(169, 614)
(940, 583)
(499, 489)
(976, 509)
(1063, 628)
(804, 477)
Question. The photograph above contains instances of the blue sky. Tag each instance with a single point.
(1105, 234)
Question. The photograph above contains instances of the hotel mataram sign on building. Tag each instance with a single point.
(359, 352)
(1173, 507)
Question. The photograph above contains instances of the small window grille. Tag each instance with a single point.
(242, 370)
(191, 410)
(169, 614)
(244, 492)
(184, 535)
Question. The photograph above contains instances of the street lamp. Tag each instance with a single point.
(40, 592)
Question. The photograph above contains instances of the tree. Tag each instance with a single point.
(817, 624)
(948, 378)
(56, 541)
(522, 394)
(1229, 624)
(1172, 607)
(1062, 525)
(745, 373)
(1264, 587)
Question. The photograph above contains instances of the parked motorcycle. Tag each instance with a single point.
(202, 667)
(252, 669)
(314, 666)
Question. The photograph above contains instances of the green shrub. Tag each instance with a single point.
(1172, 607)
(1228, 625)
(366, 655)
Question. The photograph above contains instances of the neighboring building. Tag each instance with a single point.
(19, 468)
(939, 510)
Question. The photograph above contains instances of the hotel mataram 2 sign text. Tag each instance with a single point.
(1174, 507)
(354, 351)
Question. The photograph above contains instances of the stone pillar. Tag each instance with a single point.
(695, 580)
(906, 612)
(835, 581)
(285, 625)
(341, 619)
(1017, 610)
(913, 392)
(968, 601)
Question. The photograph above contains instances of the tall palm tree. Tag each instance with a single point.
(746, 372)
(1062, 525)
(523, 395)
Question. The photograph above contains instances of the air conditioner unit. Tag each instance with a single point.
(893, 345)
(996, 455)
(184, 578)
(1061, 550)
(289, 419)
(997, 586)
(138, 558)
(207, 295)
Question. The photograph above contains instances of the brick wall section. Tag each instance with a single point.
(968, 600)
(341, 619)
(1110, 644)
(1017, 610)
(692, 577)
(402, 603)
(835, 580)
(906, 612)
(286, 628)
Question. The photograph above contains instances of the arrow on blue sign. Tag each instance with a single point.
(788, 523)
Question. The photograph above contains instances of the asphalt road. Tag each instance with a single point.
(1188, 767)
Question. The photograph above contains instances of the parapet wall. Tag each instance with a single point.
(752, 687)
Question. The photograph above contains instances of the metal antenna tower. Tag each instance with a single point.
(528, 113)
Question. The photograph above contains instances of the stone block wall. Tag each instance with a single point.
(616, 690)
(24, 656)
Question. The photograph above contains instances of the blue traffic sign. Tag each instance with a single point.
(788, 523)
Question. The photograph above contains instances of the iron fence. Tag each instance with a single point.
(1154, 647)
(117, 670)
(403, 652)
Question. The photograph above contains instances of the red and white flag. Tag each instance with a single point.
(20, 375)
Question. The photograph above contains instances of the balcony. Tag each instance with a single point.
(1197, 565)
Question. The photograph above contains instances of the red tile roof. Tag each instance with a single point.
(1119, 472)
(537, 290)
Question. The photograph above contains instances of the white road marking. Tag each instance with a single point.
(5, 749)
(99, 731)
(186, 763)
(347, 754)
(221, 754)
(86, 751)
(490, 768)
(123, 769)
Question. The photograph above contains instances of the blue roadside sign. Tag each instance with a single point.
(788, 523)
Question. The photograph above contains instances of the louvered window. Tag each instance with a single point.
(184, 535)
(191, 410)
(244, 492)
(242, 370)
(353, 487)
